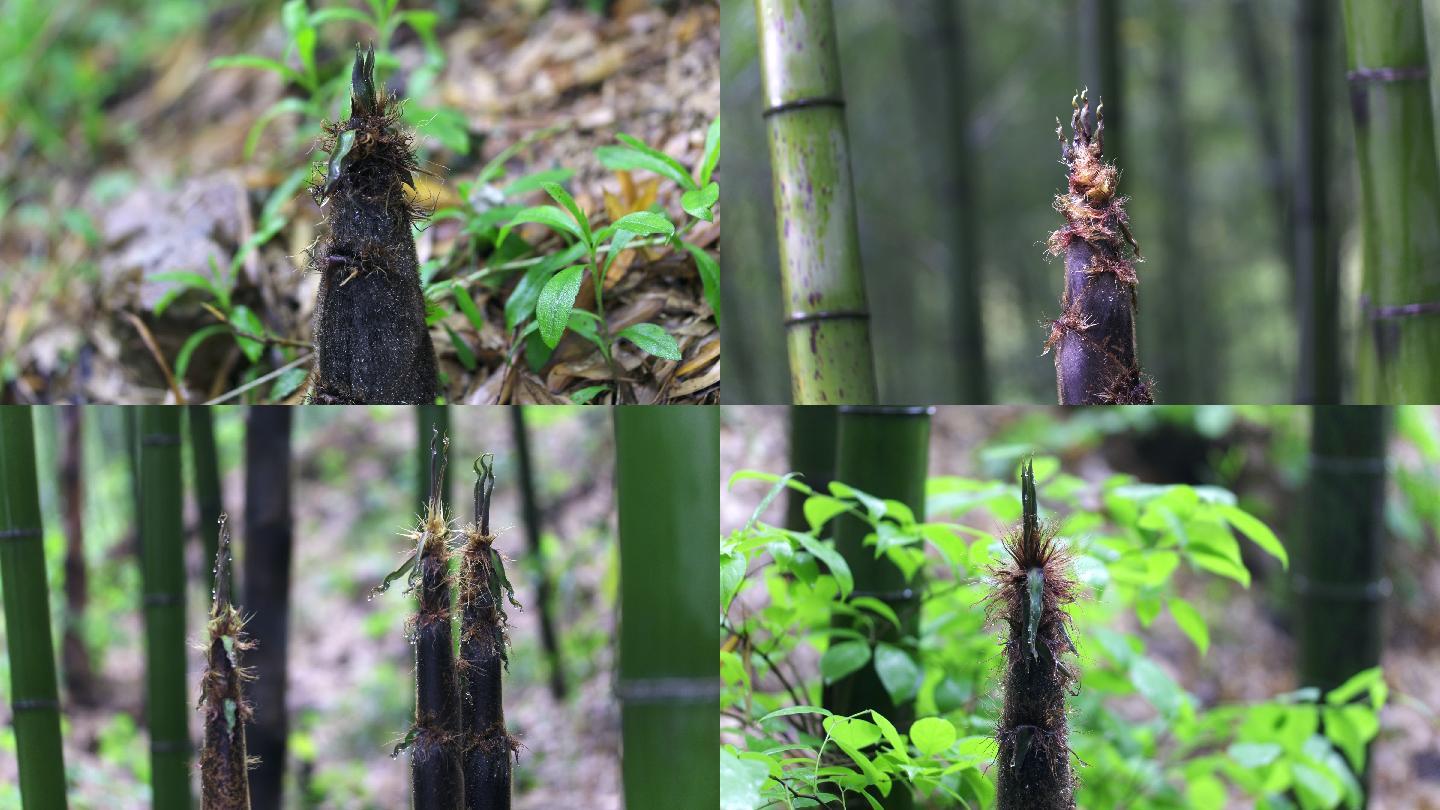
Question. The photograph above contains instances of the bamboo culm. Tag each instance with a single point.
(207, 479)
(224, 780)
(1096, 359)
(34, 697)
(827, 320)
(371, 341)
(488, 748)
(1028, 592)
(162, 555)
(530, 516)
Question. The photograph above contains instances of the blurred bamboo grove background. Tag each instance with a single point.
(1230, 122)
(122, 506)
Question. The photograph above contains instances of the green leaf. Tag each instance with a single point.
(182, 360)
(1254, 755)
(644, 223)
(741, 781)
(932, 735)
(1190, 622)
(1257, 531)
(898, 672)
(1367, 680)
(652, 339)
(557, 298)
(289, 104)
(243, 319)
(844, 659)
(259, 63)
(287, 383)
(1315, 788)
(185, 279)
(1157, 687)
(789, 710)
(635, 155)
(521, 303)
(770, 496)
(560, 195)
(462, 349)
(547, 215)
(712, 152)
(699, 202)
(819, 509)
(466, 304)
(709, 271)
(536, 181)
(588, 393)
(832, 559)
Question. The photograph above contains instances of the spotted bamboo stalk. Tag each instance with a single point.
(1028, 592)
(1395, 145)
(488, 748)
(371, 341)
(827, 327)
(1096, 359)
(224, 780)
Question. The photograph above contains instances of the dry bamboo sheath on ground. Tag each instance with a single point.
(1032, 767)
(1096, 359)
(371, 341)
(224, 783)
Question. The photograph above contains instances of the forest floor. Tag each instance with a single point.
(1252, 651)
(351, 683)
(89, 319)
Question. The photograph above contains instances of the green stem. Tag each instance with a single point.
(883, 452)
(162, 562)
(34, 697)
(828, 330)
(1399, 338)
(667, 472)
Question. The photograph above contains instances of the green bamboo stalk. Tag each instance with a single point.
(1339, 576)
(667, 475)
(1317, 267)
(530, 517)
(1028, 593)
(883, 452)
(828, 332)
(162, 574)
(1431, 9)
(34, 696)
(812, 454)
(488, 747)
(224, 781)
(207, 481)
(1399, 331)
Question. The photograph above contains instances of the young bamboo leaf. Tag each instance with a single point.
(560, 195)
(652, 339)
(547, 215)
(698, 203)
(712, 152)
(557, 298)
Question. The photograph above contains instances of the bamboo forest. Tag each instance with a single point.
(359, 607)
(1165, 607)
(1259, 226)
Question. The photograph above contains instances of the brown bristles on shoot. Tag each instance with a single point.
(1096, 355)
(489, 748)
(224, 783)
(1028, 590)
(434, 740)
(371, 341)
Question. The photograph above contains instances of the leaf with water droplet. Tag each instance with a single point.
(405, 743)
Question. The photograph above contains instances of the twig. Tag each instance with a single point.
(149, 341)
(260, 380)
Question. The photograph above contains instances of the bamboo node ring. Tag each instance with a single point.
(802, 103)
(1388, 74)
(796, 318)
